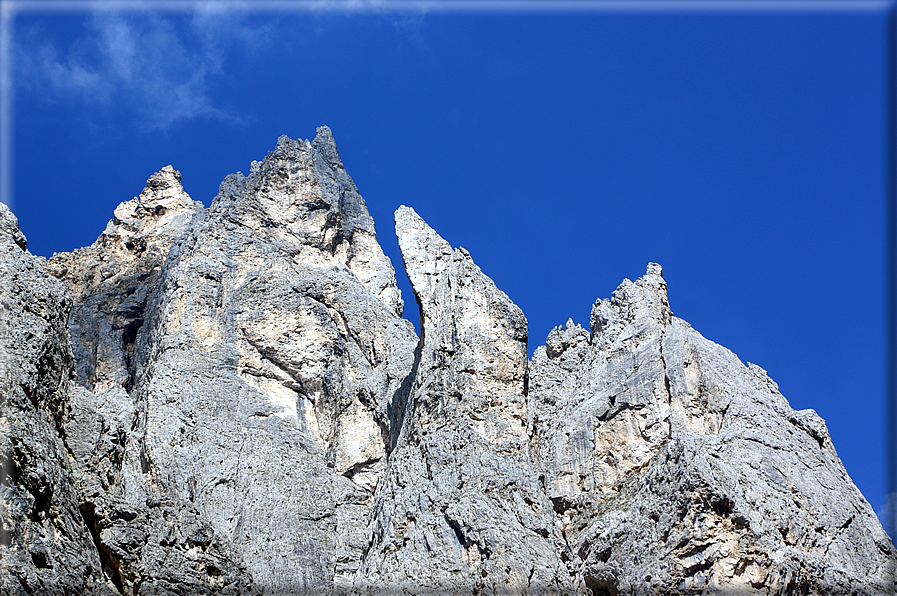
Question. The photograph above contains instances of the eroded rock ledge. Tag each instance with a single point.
(236, 406)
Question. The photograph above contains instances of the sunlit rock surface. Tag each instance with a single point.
(236, 406)
(674, 467)
(45, 545)
(253, 377)
(461, 508)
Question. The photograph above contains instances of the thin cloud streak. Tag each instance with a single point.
(461, 6)
(219, 26)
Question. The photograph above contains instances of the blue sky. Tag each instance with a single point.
(741, 145)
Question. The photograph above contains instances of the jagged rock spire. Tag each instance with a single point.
(460, 508)
(675, 467)
(248, 375)
(250, 412)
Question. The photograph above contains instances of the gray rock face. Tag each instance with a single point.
(158, 545)
(674, 467)
(461, 508)
(252, 389)
(45, 545)
(236, 407)
(269, 369)
(110, 281)
(162, 545)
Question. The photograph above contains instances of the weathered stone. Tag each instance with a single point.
(251, 378)
(45, 545)
(111, 280)
(676, 468)
(160, 546)
(461, 508)
(252, 414)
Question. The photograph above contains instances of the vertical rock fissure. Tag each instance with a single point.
(666, 382)
(108, 561)
(402, 405)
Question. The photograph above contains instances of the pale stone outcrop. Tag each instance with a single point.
(241, 410)
(676, 468)
(111, 280)
(461, 508)
(252, 387)
(157, 544)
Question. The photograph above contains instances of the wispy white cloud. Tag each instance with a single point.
(66, 76)
(132, 55)
(140, 62)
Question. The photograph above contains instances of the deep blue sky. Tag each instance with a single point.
(744, 152)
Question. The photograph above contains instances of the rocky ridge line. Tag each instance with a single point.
(252, 388)
(45, 545)
(675, 467)
(245, 411)
(461, 508)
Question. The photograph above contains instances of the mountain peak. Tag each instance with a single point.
(228, 400)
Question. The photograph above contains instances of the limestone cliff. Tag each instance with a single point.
(461, 507)
(675, 467)
(45, 545)
(236, 406)
(255, 377)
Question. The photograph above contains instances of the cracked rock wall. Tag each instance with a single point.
(158, 544)
(237, 407)
(461, 507)
(45, 544)
(674, 467)
(240, 363)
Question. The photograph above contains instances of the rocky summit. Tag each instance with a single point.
(227, 400)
